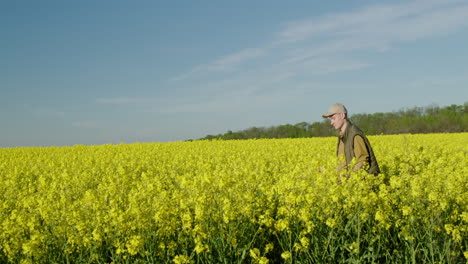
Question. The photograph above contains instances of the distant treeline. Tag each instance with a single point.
(430, 119)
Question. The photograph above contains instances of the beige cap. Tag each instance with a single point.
(335, 109)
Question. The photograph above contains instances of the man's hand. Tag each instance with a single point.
(358, 166)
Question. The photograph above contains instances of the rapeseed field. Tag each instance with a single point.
(243, 201)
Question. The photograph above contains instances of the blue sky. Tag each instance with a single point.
(108, 72)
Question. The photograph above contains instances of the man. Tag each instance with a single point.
(352, 143)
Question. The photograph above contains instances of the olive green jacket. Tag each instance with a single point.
(348, 140)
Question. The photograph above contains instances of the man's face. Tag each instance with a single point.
(337, 120)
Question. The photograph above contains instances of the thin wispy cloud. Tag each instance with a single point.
(376, 27)
(228, 63)
(380, 20)
(372, 28)
(232, 61)
(322, 45)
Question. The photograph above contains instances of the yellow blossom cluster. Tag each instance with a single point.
(240, 201)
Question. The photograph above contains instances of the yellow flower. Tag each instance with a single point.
(254, 253)
(297, 246)
(97, 236)
(181, 259)
(282, 224)
(305, 242)
(26, 261)
(134, 245)
(269, 247)
(263, 260)
(286, 255)
(200, 247)
(331, 222)
(354, 247)
(406, 210)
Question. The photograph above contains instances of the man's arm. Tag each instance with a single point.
(360, 152)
